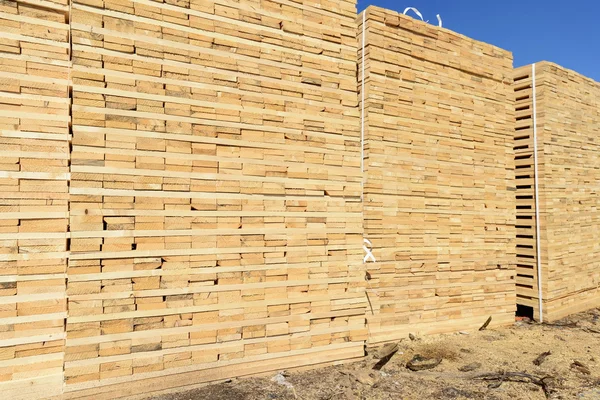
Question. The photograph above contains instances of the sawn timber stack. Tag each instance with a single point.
(568, 124)
(183, 200)
(216, 225)
(34, 195)
(439, 182)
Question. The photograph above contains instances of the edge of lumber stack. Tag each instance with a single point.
(439, 178)
(568, 123)
(216, 226)
(34, 173)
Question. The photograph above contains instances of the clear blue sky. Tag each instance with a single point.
(566, 33)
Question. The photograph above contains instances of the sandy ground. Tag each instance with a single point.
(571, 371)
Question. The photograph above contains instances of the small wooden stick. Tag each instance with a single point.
(485, 325)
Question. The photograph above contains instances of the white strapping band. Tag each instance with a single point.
(538, 251)
(369, 251)
(407, 9)
(362, 111)
(413, 9)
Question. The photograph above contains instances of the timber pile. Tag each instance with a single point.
(216, 224)
(439, 181)
(568, 123)
(34, 149)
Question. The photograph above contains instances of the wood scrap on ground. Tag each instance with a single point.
(485, 324)
(581, 367)
(541, 358)
(497, 379)
(591, 330)
(386, 354)
(470, 367)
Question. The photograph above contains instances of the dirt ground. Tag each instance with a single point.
(571, 371)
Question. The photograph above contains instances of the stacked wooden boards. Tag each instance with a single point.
(215, 210)
(439, 181)
(204, 219)
(568, 123)
(34, 169)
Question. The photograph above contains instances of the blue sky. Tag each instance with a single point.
(566, 33)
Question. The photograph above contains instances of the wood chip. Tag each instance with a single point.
(470, 367)
(581, 367)
(541, 358)
(485, 324)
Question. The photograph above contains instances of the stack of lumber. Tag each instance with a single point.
(439, 178)
(34, 171)
(215, 210)
(568, 124)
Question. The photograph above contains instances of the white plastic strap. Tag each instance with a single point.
(407, 9)
(362, 110)
(369, 251)
(413, 9)
(538, 251)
